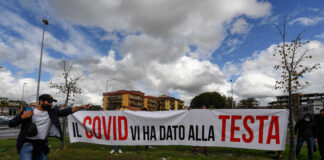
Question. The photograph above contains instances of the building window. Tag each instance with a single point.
(305, 109)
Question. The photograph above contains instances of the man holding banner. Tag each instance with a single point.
(37, 125)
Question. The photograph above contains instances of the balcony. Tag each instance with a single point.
(114, 98)
(115, 102)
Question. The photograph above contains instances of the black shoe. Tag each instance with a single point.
(205, 153)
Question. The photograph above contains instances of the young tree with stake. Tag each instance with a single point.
(292, 55)
(69, 88)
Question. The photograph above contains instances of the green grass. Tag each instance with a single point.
(86, 151)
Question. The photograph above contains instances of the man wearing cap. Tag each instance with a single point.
(31, 144)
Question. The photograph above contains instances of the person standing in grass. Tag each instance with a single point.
(114, 146)
(320, 133)
(138, 147)
(113, 149)
(32, 141)
(204, 148)
(306, 130)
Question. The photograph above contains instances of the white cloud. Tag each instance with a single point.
(256, 85)
(233, 42)
(320, 36)
(233, 45)
(145, 48)
(186, 75)
(175, 23)
(258, 77)
(240, 26)
(314, 9)
(306, 21)
(230, 70)
(12, 87)
(155, 61)
(24, 50)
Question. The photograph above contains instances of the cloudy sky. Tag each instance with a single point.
(175, 47)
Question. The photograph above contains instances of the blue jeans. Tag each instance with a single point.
(321, 148)
(113, 147)
(310, 144)
(26, 153)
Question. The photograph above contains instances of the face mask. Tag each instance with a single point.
(46, 107)
(307, 119)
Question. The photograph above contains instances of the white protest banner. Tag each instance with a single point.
(263, 129)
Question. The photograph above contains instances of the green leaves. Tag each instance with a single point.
(249, 103)
(291, 65)
(292, 73)
(211, 100)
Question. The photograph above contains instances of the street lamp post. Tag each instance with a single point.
(232, 94)
(45, 22)
(31, 96)
(107, 83)
(22, 96)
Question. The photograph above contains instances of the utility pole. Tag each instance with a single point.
(45, 22)
(22, 97)
(232, 94)
(107, 83)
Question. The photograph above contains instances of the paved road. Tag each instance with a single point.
(9, 133)
(6, 133)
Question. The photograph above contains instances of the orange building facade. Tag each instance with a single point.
(151, 103)
(136, 100)
(170, 103)
(123, 100)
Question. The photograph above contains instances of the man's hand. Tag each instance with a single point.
(87, 106)
(74, 109)
(27, 114)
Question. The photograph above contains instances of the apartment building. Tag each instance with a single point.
(123, 100)
(303, 103)
(170, 103)
(136, 100)
(151, 103)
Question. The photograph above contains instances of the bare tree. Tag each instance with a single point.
(292, 73)
(69, 88)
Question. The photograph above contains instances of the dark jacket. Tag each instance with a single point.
(54, 115)
(320, 127)
(306, 129)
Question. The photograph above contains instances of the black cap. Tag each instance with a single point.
(47, 97)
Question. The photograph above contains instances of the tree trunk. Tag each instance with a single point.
(63, 145)
(292, 150)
